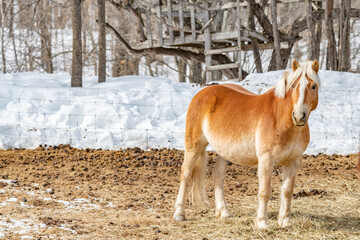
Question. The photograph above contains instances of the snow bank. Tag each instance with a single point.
(149, 112)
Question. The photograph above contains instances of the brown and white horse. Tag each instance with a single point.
(249, 129)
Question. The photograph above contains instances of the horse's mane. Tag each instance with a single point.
(289, 78)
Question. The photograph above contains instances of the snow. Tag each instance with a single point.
(25, 227)
(21, 227)
(147, 112)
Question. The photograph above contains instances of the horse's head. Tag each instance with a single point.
(303, 84)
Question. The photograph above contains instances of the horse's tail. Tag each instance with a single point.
(198, 194)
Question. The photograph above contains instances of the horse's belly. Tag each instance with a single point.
(238, 149)
(240, 152)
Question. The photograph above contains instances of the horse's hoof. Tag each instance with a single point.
(222, 213)
(283, 223)
(179, 218)
(262, 224)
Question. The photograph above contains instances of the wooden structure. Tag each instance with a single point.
(216, 29)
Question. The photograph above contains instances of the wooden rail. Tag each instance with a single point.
(219, 29)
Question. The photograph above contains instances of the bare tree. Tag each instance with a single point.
(102, 41)
(4, 10)
(196, 73)
(12, 35)
(45, 22)
(254, 42)
(276, 34)
(318, 33)
(311, 30)
(331, 62)
(181, 64)
(76, 73)
(344, 39)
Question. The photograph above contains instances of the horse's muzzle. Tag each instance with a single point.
(299, 120)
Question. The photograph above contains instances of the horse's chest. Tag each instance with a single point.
(288, 152)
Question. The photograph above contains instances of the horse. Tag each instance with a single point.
(249, 129)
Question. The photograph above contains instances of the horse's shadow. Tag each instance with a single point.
(349, 223)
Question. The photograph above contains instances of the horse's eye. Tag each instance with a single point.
(293, 85)
(313, 87)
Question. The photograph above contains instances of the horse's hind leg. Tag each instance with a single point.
(194, 158)
(219, 173)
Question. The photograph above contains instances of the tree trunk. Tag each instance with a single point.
(318, 32)
(23, 16)
(30, 55)
(344, 45)
(310, 26)
(102, 41)
(276, 35)
(84, 44)
(3, 7)
(93, 57)
(76, 73)
(195, 73)
(181, 64)
(45, 34)
(329, 30)
(285, 55)
(348, 29)
(148, 62)
(12, 35)
(64, 61)
(254, 42)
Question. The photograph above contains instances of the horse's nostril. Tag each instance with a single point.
(303, 117)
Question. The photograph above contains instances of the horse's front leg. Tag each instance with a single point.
(265, 169)
(288, 177)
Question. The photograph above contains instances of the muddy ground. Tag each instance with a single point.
(66, 193)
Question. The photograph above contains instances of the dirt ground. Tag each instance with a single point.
(66, 193)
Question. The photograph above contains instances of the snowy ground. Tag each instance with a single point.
(26, 225)
(140, 111)
(68, 193)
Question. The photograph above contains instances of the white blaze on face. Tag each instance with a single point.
(300, 108)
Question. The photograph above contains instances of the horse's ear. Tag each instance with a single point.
(315, 66)
(294, 65)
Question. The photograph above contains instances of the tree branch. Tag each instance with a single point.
(299, 24)
(264, 21)
(319, 15)
(127, 6)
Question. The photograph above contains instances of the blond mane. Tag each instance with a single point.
(289, 78)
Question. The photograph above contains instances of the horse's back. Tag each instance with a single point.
(238, 88)
(226, 101)
(225, 98)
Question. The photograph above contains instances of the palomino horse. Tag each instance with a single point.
(249, 129)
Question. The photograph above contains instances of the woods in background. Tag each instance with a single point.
(46, 36)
